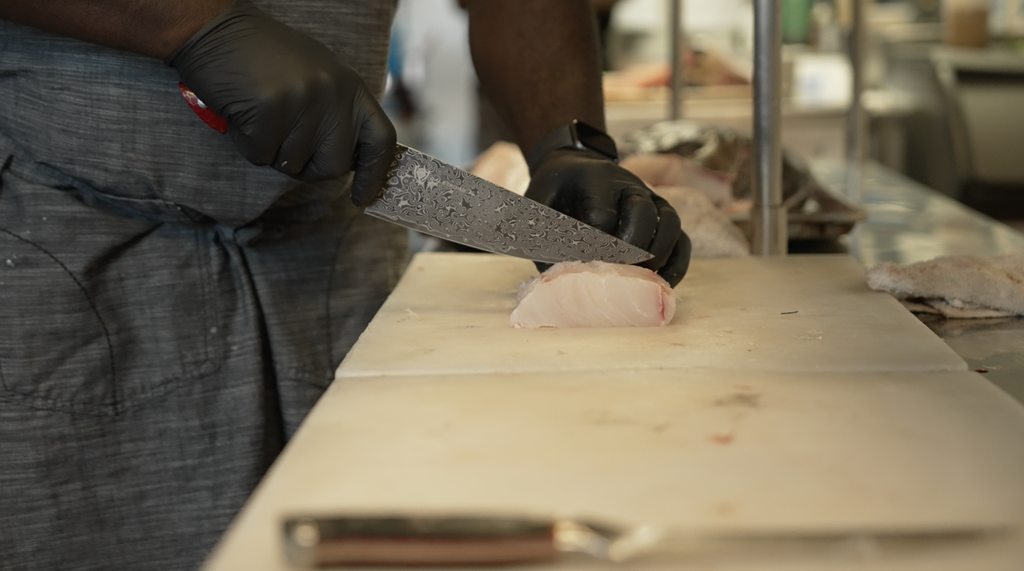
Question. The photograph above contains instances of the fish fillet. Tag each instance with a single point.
(960, 286)
(594, 294)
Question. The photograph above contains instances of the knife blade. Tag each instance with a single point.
(433, 197)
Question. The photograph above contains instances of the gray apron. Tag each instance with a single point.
(168, 312)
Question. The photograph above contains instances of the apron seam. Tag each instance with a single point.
(116, 405)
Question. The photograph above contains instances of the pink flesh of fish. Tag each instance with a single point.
(594, 294)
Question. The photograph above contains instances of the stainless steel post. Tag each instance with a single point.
(678, 72)
(856, 125)
(768, 217)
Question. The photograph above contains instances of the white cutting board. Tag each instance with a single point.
(702, 448)
(450, 313)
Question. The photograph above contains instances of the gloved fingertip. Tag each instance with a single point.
(638, 220)
(664, 242)
(367, 187)
(361, 198)
(678, 262)
(603, 219)
(375, 152)
(257, 153)
(666, 236)
(369, 182)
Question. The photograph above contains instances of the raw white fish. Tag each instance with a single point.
(594, 294)
(960, 286)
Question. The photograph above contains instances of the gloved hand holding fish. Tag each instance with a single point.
(590, 187)
(597, 191)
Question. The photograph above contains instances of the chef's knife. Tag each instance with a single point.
(426, 540)
(438, 199)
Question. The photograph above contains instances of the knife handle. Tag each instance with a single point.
(314, 543)
(209, 116)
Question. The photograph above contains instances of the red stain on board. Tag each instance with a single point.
(725, 509)
(723, 439)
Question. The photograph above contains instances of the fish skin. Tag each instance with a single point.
(594, 294)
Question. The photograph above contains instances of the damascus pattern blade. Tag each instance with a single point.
(436, 198)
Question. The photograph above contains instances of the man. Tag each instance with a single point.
(173, 300)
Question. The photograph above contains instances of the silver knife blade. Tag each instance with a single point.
(436, 198)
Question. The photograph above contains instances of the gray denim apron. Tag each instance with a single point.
(168, 312)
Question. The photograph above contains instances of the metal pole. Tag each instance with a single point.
(678, 72)
(856, 125)
(768, 216)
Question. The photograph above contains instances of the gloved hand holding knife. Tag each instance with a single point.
(288, 100)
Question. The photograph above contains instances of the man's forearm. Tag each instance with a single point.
(150, 27)
(539, 63)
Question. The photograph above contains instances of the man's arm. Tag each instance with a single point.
(150, 27)
(539, 62)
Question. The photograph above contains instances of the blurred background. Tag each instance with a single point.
(944, 84)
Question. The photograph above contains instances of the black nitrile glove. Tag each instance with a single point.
(288, 100)
(599, 192)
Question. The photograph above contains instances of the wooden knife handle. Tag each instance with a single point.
(313, 543)
(209, 116)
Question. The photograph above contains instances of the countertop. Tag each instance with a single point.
(785, 394)
(802, 423)
(908, 222)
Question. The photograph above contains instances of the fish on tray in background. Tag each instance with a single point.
(702, 197)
